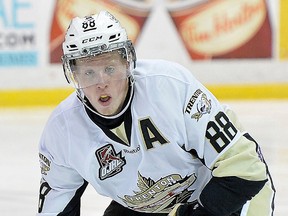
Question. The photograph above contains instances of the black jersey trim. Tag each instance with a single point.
(73, 207)
(227, 195)
(258, 150)
(115, 209)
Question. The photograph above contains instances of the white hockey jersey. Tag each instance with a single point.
(164, 151)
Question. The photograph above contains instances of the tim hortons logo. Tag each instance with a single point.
(224, 26)
(111, 163)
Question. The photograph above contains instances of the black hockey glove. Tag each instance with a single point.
(189, 209)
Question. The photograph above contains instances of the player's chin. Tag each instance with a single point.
(107, 111)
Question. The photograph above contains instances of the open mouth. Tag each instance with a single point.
(104, 98)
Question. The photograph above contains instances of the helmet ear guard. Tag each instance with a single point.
(65, 70)
(133, 55)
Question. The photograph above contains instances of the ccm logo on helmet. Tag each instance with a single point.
(88, 40)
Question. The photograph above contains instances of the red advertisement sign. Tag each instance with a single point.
(223, 29)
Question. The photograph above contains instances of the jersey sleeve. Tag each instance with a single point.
(61, 186)
(209, 130)
(215, 136)
(218, 139)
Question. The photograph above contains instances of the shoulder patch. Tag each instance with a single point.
(203, 107)
(44, 164)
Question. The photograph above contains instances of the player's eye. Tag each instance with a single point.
(89, 72)
(109, 70)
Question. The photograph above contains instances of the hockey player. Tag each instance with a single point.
(146, 134)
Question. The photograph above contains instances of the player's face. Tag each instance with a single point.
(104, 81)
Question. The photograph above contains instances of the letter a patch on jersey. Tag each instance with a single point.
(111, 163)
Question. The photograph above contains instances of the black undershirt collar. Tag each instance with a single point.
(107, 124)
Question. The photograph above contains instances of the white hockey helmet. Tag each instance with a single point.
(94, 35)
